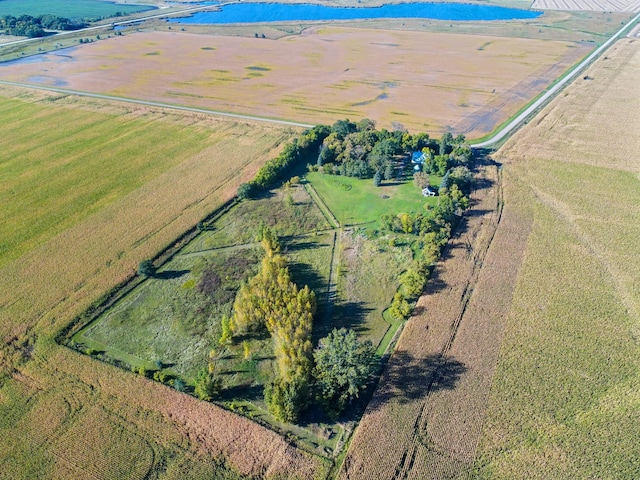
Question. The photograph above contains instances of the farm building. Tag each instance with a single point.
(417, 158)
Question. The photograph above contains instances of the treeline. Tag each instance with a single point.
(28, 26)
(294, 153)
(359, 150)
(332, 375)
(434, 227)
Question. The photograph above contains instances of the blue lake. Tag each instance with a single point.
(279, 12)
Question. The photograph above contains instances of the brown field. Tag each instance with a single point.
(588, 5)
(425, 81)
(64, 415)
(425, 417)
(530, 352)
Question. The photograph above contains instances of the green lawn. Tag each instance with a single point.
(357, 201)
(75, 9)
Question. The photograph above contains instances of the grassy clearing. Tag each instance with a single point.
(289, 213)
(357, 201)
(80, 9)
(174, 318)
(368, 280)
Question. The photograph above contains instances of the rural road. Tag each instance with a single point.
(157, 104)
(117, 24)
(515, 123)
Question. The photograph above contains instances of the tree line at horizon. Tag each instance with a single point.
(32, 27)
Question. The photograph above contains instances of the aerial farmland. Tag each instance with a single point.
(199, 216)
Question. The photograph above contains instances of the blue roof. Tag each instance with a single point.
(417, 157)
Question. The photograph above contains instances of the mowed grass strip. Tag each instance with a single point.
(58, 166)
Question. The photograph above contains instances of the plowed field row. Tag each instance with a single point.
(589, 5)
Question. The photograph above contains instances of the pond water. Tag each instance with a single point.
(279, 12)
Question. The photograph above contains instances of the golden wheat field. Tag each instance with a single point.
(425, 81)
(64, 415)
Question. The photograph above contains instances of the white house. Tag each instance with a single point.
(427, 192)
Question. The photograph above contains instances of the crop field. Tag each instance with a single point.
(573, 403)
(67, 8)
(424, 81)
(54, 401)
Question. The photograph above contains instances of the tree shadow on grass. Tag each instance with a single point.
(170, 274)
(245, 392)
(349, 315)
(304, 274)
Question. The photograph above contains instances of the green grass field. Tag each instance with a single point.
(75, 9)
(357, 201)
(52, 181)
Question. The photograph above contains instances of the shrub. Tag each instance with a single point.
(146, 268)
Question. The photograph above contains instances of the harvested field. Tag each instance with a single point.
(531, 360)
(53, 400)
(564, 402)
(412, 427)
(425, 81)
(588, 5)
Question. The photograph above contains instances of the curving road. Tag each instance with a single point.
(515, 123)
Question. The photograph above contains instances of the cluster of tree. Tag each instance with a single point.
(28, 26)
(434, 226)
(271, 301)
(276, 170)
(333, 374)
(359, 150)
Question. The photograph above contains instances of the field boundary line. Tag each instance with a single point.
(315, 196)
(169, 106)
